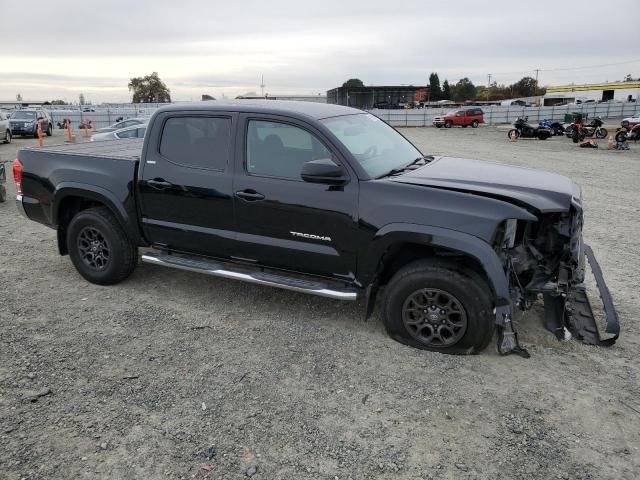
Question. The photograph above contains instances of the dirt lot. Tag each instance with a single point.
(176, 375)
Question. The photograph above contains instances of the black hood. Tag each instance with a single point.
(544, 191)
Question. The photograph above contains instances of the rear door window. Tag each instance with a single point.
(197, 141)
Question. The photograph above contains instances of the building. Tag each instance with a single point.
(377, 96)
(599, 92)
(299, 98)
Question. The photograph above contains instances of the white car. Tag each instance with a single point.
(130, 122)
(630, 121)
(5, 130)
(136, 131)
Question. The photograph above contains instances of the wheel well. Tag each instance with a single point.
(68, 208)
(402, 254)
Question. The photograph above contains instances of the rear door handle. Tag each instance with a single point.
(158, 184)
(250, 195)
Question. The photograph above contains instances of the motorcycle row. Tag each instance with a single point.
(577, 130)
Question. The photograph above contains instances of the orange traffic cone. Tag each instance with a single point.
(610, 143)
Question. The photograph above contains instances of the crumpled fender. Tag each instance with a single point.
(394, 233)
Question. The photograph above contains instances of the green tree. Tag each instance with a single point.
(526, 87)
(446, 90)
(464, 90)
(353, 83)
(149, 89)
(58, 102)
(435, 93)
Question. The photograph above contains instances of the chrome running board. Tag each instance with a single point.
(277, 280)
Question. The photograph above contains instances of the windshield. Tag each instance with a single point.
(24, 115)
(376, 146)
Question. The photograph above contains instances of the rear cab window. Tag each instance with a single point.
(197, 141)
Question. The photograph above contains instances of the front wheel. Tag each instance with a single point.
(621, 136)
(601, 133)
(99, 248)
(3, 194)
(49, 130)
(475, 124)
(7, 136)
(439, 307)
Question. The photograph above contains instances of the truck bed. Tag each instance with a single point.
(126, 149)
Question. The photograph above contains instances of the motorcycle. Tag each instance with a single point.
(556, 127)
(523, 130)
(632, 133)
(594, 128)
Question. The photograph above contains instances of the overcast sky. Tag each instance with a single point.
(57, 49)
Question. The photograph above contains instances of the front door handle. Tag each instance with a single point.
(158, 184)
(250, 195)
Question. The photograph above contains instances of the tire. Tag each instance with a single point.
(99, 225)
(428, 283)
(513, 132)
(7, 136)
(601, 133)
(49, 130)
(3, 194)
(543, 135)
(475, 124)
(621, 136)
(575, 136)
(438, 126)
(447, 124)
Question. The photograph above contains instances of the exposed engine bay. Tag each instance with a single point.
(547, 258)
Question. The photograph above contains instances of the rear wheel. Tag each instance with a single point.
(601, 133)
(513, 134)
(49, 130)
(3, 194)
(99, 248)
(447, 124)
(475, 124)
(439, 307)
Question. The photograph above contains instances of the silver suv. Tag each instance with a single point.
(5, 130)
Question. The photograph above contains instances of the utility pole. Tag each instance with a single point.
(262, 86)
(488, 86)
(536, 70)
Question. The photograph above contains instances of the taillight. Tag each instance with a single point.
(17, 175)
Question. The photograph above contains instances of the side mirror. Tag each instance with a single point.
(323, 170)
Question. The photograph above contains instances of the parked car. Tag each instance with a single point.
(326, 200)
(25, 122)
(630, 121)
(462, 118)
(137, 131)
(123, 124)
(5, 129)
(3, 181)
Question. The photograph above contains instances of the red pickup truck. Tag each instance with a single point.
(463, 118)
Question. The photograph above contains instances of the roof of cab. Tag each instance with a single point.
(314, 110)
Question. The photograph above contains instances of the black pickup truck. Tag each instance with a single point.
(326, 200)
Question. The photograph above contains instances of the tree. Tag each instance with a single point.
(149, 89)
(58, 102)
(446, 90)
(353, 83)
(18, 98)
(81, 99)
(464, 90)
(435, 93)
(526, 87)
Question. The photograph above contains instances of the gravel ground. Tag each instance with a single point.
(177, 375)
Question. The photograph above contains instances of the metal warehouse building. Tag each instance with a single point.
(376, 97)
(600, 92)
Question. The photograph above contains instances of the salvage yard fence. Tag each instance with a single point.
(496, 115)
(493, 115)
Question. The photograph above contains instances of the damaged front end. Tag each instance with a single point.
(547, 257)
